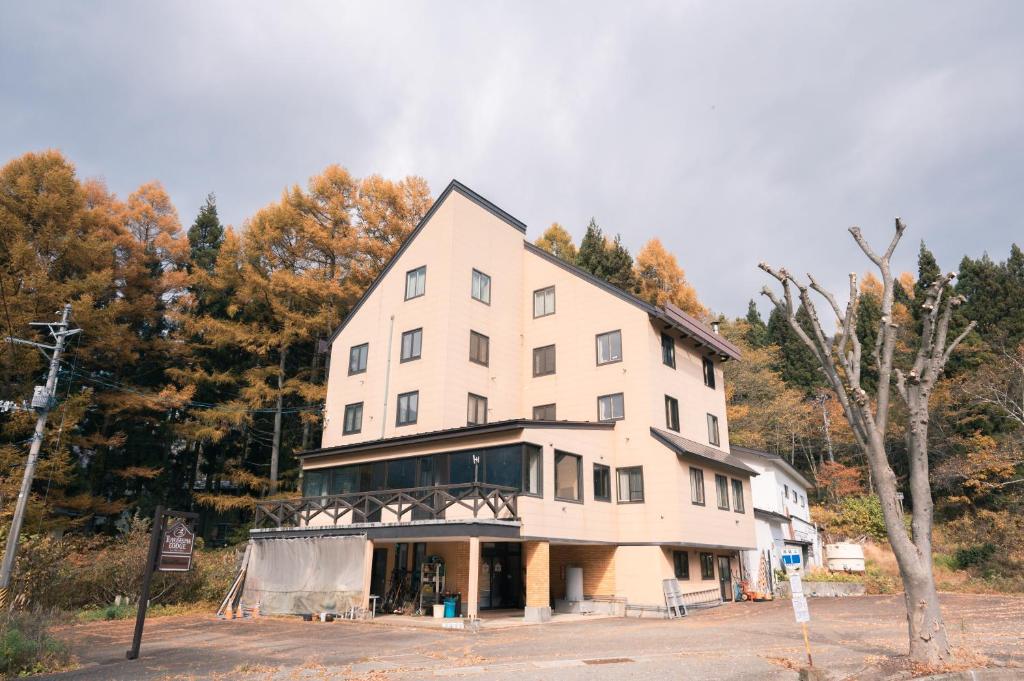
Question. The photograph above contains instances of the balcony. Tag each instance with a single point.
(437, 502)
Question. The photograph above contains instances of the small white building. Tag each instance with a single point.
(787, 539)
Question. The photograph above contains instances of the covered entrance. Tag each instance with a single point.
(501, 575)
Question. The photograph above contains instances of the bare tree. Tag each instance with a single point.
(1000, 383)
(840, 359)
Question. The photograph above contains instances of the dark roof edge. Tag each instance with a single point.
(451, 434)
(455, 186)
(788, 467)
(680, 450)
(691, 327)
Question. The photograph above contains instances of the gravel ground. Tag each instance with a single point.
(853, 638)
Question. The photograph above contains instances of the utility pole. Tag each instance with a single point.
(42, 401)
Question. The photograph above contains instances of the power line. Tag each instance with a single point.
(115, 385)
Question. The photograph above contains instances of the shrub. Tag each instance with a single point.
(979, 554)
(855, 516)
(26, 646)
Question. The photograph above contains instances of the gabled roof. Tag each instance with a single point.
(681, 445)
(453, 186)
(452, 434)
(670, 314)
(775, 460)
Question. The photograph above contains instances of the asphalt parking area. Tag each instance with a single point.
(856, 638)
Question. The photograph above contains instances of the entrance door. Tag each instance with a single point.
(378, 573)
(501, 576)
(725, 577)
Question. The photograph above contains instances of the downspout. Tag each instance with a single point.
(387, 378)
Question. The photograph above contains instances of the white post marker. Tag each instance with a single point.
(801, 612)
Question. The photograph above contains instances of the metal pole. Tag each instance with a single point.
(807, 646)
(11, 550)
(147, 578)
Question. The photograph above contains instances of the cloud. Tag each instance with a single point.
(735, 132)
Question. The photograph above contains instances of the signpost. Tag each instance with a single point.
(170, 550)
(801, 612)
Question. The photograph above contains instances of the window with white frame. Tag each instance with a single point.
(481, 289)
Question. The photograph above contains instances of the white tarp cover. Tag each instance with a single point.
(305, 575)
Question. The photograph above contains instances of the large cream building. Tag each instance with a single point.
(534, 418)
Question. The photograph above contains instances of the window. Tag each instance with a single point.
(479, 348)
(631, 484)
(357, 358)
(533, 468)
(544, 360)
(611, 407)
(609, 347)
(602, 482)
(737, 496)
(722, 492)
(408, 408)
(568, 477)
(481, 287)
(681, 559)
(314, 483)
(415, 282)
(707, 566)
(697, 486)
(544, 412)
(785, 492)
(668, 350)
(477, 412)
(802, 500)
(544, 302)
(713, 429)
(412, 344)
(671, 413)
(353, 418)
(794, 495)
(709, 372)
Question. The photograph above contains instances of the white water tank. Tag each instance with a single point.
(574, 584)
(844, 557)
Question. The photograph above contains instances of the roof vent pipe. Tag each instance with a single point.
(714, 326)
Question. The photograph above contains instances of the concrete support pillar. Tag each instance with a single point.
(537, 558)
(473, 597)
(367, 573)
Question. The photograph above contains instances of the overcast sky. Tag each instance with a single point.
(735, 132)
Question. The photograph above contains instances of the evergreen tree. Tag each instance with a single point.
(797, 365)
(608, 260)
(927, 272)
(995, 296)
(205, 236)
(757, 332)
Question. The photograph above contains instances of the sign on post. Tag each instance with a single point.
(170, 550)
(176, 548)
(800, 611)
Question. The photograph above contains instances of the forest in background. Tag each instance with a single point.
(200, 370)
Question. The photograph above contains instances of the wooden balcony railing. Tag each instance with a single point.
(397, 505)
